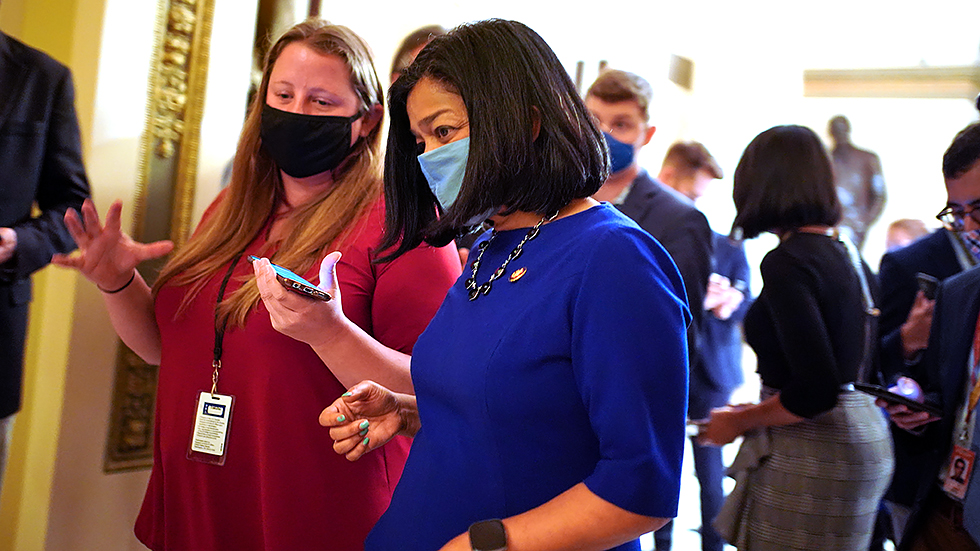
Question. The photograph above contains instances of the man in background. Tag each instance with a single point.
(904, 231)
(41, 176)
(946, 510)
(620, 103)
(689, 169)
(907, 312)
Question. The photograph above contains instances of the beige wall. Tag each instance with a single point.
(52, 26)
(56, 496)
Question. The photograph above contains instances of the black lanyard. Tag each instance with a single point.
(219, 332)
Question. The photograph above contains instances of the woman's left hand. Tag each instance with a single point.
(365, 418)
(304, 319)
(722, 427)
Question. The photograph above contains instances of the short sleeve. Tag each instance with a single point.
(630, 359)
(814, 381)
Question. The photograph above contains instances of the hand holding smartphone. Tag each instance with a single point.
(895, 398)
(927, 284)
(296, 283)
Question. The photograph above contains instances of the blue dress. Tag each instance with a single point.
(576, 372)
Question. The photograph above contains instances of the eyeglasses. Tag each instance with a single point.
(954, 217)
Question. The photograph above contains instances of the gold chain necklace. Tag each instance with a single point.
(477, 290)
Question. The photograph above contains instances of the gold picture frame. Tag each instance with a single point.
(164, 199)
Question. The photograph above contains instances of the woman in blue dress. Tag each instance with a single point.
(551, 385)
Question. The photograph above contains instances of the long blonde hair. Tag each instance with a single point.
(256, 188)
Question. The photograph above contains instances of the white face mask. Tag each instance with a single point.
(444, 169)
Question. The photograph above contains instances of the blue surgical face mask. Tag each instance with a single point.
(620, 154)
(444, 168)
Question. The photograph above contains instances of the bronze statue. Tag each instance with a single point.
(860, 185)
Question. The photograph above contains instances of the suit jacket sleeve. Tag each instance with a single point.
(62, 184)
(942, 373)
(897, 296)
(690, 245)
(740, 272)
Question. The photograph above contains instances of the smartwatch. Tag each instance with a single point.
(488, 535)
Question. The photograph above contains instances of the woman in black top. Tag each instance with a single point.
(816, 458)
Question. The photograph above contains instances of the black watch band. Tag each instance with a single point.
(488, 535)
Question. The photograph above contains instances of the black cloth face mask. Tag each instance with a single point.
(304, 145)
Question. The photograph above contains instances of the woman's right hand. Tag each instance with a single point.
(366, 417)
(722, 426)
(302, 318)
(107, 256)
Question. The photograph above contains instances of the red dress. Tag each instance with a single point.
(282, 486)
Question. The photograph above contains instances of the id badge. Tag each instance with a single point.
(957, 477)
(212, 421)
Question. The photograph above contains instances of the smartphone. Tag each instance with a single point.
(927, 284)
(295, 283)
(894, 398)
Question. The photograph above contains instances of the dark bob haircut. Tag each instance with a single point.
(508, 79)
(963, 153)
(784, 181)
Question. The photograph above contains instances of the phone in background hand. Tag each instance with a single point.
(893, 397)
(927, 284)
(296, 283)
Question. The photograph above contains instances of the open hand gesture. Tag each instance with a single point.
(107, 256)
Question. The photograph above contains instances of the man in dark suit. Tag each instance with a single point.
(689, 169)
(40, 166)
(906, 315)
(620, 103)
(941, 519)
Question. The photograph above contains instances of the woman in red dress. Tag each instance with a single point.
(240, 461)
